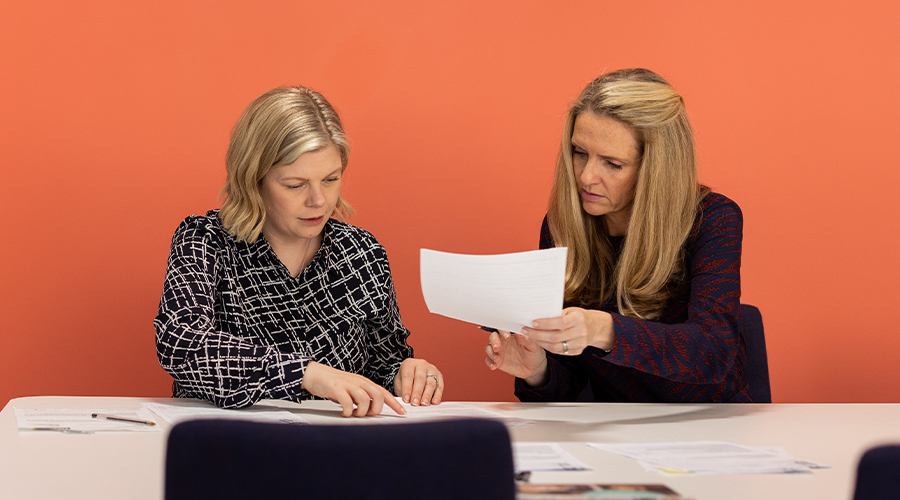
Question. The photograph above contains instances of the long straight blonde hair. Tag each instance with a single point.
(650, 270)
(274, 130)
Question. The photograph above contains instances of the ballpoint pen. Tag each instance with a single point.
(494, 330)
(122, 419)
(64, 430)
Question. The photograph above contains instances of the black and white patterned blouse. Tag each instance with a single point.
(235, 327)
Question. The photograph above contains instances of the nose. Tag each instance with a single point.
(316, 197)
(591, 173)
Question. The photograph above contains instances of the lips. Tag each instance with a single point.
(313, 221)
(590, 196)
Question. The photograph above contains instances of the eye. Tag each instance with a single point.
(295, 186)
(332, 179)
(614, 166)
(578, 152)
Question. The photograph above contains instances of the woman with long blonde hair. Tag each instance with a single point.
(653, 273)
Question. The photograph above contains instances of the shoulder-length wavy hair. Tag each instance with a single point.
(650, 269)
(274, 130)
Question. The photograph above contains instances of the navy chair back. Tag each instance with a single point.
(757, 361)
(453, 459)
(878, 475)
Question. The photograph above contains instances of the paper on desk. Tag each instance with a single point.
(711, 457)
(544, 456)
(193, 410)
(444, 410)
(505, 291)
(451, 410)
(81, 420)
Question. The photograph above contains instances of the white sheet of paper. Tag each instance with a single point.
(444, 410)
(81, 419)
(544, 456)
(192, 410)
(711, 457)
(506, 291)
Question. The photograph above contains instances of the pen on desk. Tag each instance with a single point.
(64, 430)
(122, 419)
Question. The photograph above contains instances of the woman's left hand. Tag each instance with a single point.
(572, 332)
(419, 382)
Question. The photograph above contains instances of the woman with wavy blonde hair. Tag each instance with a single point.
(275, 296)
(653, 271)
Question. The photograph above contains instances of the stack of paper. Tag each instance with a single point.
(710, 457)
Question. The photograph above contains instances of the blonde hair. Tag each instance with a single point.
(274, 130)
(650, 270)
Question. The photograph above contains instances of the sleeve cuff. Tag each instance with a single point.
(284, 376)
(526, 393)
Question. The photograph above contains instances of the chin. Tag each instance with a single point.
(593, 210)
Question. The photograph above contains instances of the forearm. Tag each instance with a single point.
(225, 370)
(701, 352)
(387, 341)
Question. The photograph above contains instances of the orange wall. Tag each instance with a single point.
(114, 119)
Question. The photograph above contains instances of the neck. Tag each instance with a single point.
(295, 254)
(616, 225)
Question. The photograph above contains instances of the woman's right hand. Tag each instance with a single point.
(347, 390)
(518, 356)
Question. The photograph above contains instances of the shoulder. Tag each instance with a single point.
(348, 234)
(719, 223)
(346, 239)
(718, 212)
(716, 206)
(201, 231)
(546, 240)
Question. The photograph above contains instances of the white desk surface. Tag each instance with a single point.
(130, 465)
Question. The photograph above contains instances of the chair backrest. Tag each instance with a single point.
(757, 361)
(451, 459)
(878, 475)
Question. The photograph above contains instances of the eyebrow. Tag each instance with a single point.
(605, 157)
(295, 178)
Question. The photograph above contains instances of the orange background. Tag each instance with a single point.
(114, 120)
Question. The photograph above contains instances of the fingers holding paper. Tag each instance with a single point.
(573, 331)
(517, 355)
(419, 382)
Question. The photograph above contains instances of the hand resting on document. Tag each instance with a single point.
(348, 390)
(418, 382)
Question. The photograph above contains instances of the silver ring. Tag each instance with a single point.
(435, 377)
(565, 347)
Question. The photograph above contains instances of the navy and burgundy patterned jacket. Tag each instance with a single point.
(693, 354)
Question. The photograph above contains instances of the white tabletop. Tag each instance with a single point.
(130, 465)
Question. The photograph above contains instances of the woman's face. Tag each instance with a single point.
(606, 159)
(300, 197)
